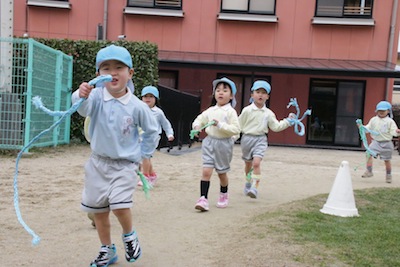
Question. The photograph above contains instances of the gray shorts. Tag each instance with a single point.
(217, 153)
(253, 146)
(109, 184)
(383, 149)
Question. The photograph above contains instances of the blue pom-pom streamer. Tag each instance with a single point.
(363, 130)
(62, 114)
(299, 128)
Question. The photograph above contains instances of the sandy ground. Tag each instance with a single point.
(171, 231)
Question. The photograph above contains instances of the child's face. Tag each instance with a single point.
(260, 96)
(382, 113)
(223, 94)
(120, 73)
(149, 99)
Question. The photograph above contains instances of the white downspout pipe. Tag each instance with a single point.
(6, 31)
(391, 43)
(105, 18)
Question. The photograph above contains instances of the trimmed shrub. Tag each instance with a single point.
(145, 64)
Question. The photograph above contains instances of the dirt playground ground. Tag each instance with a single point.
(171, 231)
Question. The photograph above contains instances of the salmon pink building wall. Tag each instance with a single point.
(200, 30)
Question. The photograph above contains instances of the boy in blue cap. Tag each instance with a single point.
(255, 121)
(115, 116)
(382, 128)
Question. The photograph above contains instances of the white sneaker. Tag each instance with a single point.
(367, 174)
(132, 247)
(107, 256)
(252, 192)
(388, 178)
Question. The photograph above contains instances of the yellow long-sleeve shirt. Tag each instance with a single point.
(258, 121)
(228, 123)
(385, 127)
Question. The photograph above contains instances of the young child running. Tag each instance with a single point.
(382, 129)
(115, 115)
(217, 147)
(255, 121)
(151, 97)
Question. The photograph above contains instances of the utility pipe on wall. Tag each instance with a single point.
(6, 31)
(105, 18)
(391, 43)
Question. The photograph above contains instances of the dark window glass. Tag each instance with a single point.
(169, 4)
(249, 6)
(336, 105)
(344, 8)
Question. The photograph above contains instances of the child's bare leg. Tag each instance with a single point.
(206, 174)
(223, 179)
(256, 171)
(151, 170)
(388, 167)
(247, 166)
(257, 165)
(103, 227)
(369, 163)
(146, 164)
(129, 236)
(368, 172)
(124, 217)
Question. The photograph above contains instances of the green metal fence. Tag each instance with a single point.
(28, 69)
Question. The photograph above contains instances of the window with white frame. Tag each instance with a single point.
(344, 8)
(167, 4)
(249, 6)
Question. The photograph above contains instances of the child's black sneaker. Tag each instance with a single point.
(132, 247)
(107, 256)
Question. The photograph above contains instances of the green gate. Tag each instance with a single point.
(28, 69)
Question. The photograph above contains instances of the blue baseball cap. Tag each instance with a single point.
(151, 90)
(113, 52)
(383, 105)
(261, 85)
(227, 81)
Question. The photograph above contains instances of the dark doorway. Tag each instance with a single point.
(181, 109)
(335, 107)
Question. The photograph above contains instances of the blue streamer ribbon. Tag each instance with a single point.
(363, 130)
(62, 114)
(299, 128)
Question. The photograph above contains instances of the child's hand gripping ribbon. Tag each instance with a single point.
(193, 133)
(298, 125)
(363, 130)
(62, 114)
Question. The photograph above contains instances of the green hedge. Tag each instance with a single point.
(145, 64)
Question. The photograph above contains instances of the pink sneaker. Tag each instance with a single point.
(223, 200)
(152, 179)
(202, 204)
(139, 183)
